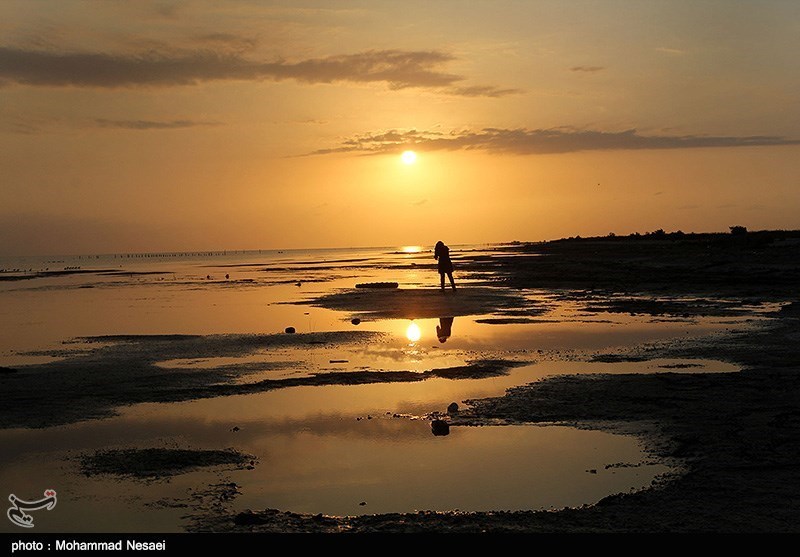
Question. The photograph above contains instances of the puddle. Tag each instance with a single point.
(314, 457)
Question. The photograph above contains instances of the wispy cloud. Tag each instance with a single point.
(588, 69)
(399, 69)
(525, 142)
(667, 50)
(482, 91)
(152, 124)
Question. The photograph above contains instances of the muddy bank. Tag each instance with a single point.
(424, 303)
(760, 264)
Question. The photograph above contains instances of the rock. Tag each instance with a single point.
(362, 503)
(440, 427)
(452, 408)
(289, 330)
(235, 428)
(355, 321)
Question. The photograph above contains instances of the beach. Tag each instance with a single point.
(686, 344)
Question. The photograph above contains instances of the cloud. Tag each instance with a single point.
(399, 69)
(151, 124)
(590, 69)
(670, 50)
(526, 142)
(482, 91)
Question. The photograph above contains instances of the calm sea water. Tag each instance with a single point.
(341, 449)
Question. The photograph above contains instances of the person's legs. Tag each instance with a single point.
(441, 277)
(452, 282)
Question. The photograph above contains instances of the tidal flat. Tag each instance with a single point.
(678, 351)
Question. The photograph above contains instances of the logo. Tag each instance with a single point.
(16, 513)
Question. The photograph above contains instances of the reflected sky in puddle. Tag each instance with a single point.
(322, 460)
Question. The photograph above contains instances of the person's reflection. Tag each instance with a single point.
(444, 328)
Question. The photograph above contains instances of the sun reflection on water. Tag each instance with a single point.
(413, 332)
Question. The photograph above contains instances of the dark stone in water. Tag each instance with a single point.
(440, 427)
(452, 408)
(355, 321)
(289, 330)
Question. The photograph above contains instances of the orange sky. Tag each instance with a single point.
(156, 126)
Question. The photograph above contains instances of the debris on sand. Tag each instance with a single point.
(377, 285)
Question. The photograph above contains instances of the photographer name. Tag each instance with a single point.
(75, 545)
(130, 545)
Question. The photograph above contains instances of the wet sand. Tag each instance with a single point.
(736, 436)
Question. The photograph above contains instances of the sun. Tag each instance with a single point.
(408, 157)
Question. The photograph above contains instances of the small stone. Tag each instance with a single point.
(355, 321)
(362, 503)
(235, 428)
(452, 408)
(289, 330)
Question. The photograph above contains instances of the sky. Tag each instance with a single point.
(175, 126)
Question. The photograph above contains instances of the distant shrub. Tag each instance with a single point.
(738, 230)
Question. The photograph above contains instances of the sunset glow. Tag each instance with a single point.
(250, 125)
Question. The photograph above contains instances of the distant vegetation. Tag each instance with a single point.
(737, 231)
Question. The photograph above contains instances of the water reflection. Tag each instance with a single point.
(413, 332)
(444, 328)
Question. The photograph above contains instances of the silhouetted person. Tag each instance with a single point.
(442, 254)
(444, 328)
